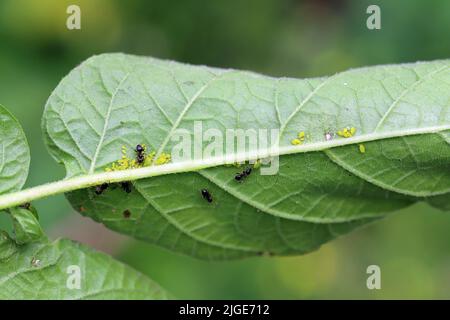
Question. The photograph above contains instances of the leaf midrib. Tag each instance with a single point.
(81, 182)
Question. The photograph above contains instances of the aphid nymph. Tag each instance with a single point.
(206, 195)
(99, 189)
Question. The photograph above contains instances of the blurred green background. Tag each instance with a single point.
(280, 38)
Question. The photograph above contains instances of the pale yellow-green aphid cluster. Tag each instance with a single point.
(300, 139)
(163, 158)
(127, 162)
(347, 132)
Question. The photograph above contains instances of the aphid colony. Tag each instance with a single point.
(347, 132)
(142, 159)
(300, 139)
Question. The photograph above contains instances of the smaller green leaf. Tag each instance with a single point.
(64, 269)
(14, 153)
(7, 246)
(26, 225)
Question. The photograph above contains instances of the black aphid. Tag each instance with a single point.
(140, 154)
(26, 205)
(126, 214)
(206, 195)
(126, 186)
(99, 189)
(241, 175)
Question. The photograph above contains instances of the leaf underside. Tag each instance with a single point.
(43, 270)
(401, 114)
(14, 153)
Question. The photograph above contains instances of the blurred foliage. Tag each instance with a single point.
(281, 38)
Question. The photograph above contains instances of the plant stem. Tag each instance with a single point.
(86, 181)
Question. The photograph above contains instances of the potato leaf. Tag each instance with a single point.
(353, 147)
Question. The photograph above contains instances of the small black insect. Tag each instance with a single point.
(99, 189)
(206, 195)
(126, 186)
(241, 175)
(26, 205)
(139, 148)
(140, 154)
(126, 214)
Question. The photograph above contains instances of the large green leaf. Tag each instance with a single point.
(14, 153)
(49, 270)
(325, 186)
